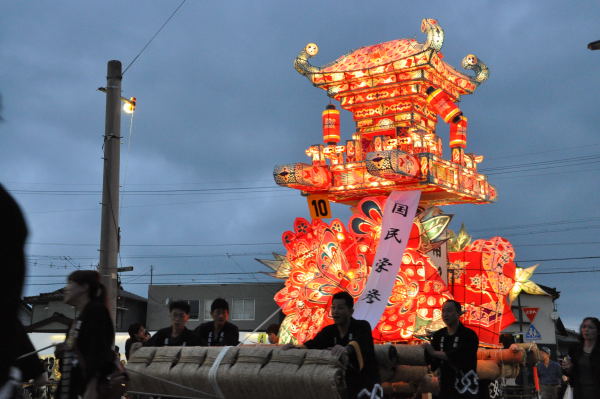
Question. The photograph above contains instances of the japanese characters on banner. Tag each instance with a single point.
(398, 215)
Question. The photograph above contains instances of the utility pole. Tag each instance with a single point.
(109, 228)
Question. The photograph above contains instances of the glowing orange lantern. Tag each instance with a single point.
(458, 138)
(331, 125)
(442, 104)
(458, 133)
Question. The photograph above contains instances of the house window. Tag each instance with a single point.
(242, 309)
(207, 303)
(194, 308)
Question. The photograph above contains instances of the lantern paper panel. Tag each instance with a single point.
(324, 258)
(414, 308)
(482, 277)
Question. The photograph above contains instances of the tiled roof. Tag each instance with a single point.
(378, 54)
(58, 296)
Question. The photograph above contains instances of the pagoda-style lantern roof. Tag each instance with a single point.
(395, 91)
(384, 85)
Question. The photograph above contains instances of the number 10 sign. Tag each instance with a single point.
(318, 205)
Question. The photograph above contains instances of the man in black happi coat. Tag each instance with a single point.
(345, 332)
(219, 332)
(453, 350)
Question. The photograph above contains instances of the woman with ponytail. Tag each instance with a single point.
(87, 356)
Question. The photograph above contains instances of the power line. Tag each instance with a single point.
(550, 244)
(574, 160)
(159, 256)
(553, 173)
(516, 168)
(161, 274)
(558, 259)
(154, 36)
(232, 281)
(162, 245)
(269, 195)
(215, 190)
(523, 226)
(532, 153)
(571, 272)
(552, 231)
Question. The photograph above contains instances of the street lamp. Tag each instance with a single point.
(128, 103)
(594, 45)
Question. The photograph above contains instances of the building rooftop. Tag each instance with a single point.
(45, 297)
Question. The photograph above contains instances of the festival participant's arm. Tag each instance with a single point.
(365, 341)
(156, 340)
(433, 353)
(322, 340)
(234, 338)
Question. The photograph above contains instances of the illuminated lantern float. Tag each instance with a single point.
(396, 92)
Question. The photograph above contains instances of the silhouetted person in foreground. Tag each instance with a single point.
(13, 232)
(346, 333)
(87, 355)
(582, 366)
(219, 332)
(453, 350)
(177, 334)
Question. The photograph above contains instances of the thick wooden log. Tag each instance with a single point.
(532, 348)
(488, 369)
(408, 373)
(323, 375)
(514, 354)
(262, 371)
(411, 355)
(387, 357)
(184, 372)
(137, 364)
(202, 382)
(161, 365)
(246, 371)
(283, 367)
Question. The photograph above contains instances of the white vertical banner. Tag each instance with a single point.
(398, 214)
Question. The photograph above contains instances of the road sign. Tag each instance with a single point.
(532, 334)
(531, 313)
(318, 205)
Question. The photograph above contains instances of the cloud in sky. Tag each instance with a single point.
(219, 105)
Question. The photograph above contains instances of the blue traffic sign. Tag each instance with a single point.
(532, 334)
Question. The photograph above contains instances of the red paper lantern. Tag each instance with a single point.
(441, 103)
(458, 133)
(331, 125)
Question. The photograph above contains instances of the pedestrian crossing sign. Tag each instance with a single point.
(532, 334)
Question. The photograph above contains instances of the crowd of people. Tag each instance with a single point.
(218, 332)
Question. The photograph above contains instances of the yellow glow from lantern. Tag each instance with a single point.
(129, 106)
(341, 236)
